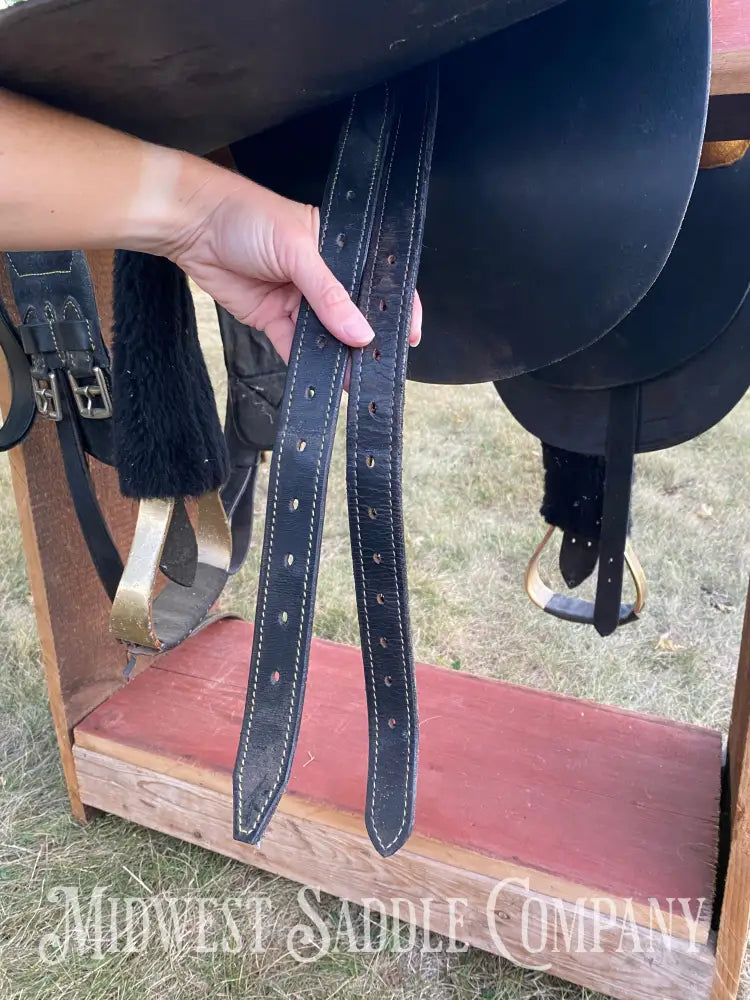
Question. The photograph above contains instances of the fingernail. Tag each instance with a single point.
(357, 329)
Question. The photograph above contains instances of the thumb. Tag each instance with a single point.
(329, 300)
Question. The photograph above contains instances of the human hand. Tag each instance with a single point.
(256, 253)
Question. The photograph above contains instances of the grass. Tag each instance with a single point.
(472, 489)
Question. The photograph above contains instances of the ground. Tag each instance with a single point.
(472, 491)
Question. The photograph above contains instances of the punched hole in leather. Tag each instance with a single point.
(298, 477)
(373, 208)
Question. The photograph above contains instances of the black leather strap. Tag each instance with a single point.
(66, 363)
(69, 368)
(299, 474)
(372, 230)
(102, 549)
(374, 447)
(20, 417)
(618, 479)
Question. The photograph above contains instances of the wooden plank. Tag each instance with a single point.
(82, 663)
(524, 926)
(734, 923)
(512, 781)
(730, 71)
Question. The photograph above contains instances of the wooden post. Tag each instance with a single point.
(734, 924)
(82, 662)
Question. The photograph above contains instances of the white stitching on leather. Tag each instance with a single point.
(368, 636)
(341, 350)
(36, 274)
(49, 311)
(69, 301)
(410, 723)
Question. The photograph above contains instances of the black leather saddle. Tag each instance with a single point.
(673, 368)
(538, 236)
(532, 162)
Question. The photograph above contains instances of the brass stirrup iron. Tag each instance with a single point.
(575, 609)
(153, 624)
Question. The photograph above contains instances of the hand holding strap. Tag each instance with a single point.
(372, 230)
(299, 473)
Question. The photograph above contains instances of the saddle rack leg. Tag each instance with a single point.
(734, 920)
(83, 664)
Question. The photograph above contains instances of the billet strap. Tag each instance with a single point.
(153, 624)
(299, 470)
(576, 609)
(369, 216)
(19, 419)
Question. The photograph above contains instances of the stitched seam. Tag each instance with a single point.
(373, 685)
(357, 517)
(340, 352)
(72, 302)
(393, 540)
(36, 274)
(48, 310)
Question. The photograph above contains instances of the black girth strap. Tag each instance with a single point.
(371, 235)
(61, 368)
(69, 373)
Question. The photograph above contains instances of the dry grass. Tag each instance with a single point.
(471, 494)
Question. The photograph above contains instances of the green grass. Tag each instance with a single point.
(472, 489)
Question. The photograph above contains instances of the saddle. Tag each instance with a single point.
(535, 165)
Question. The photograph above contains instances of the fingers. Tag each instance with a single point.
(415, 332)
(280, 332)
(329, 299)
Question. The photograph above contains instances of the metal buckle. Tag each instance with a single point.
(47, 395)
(87, 396)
